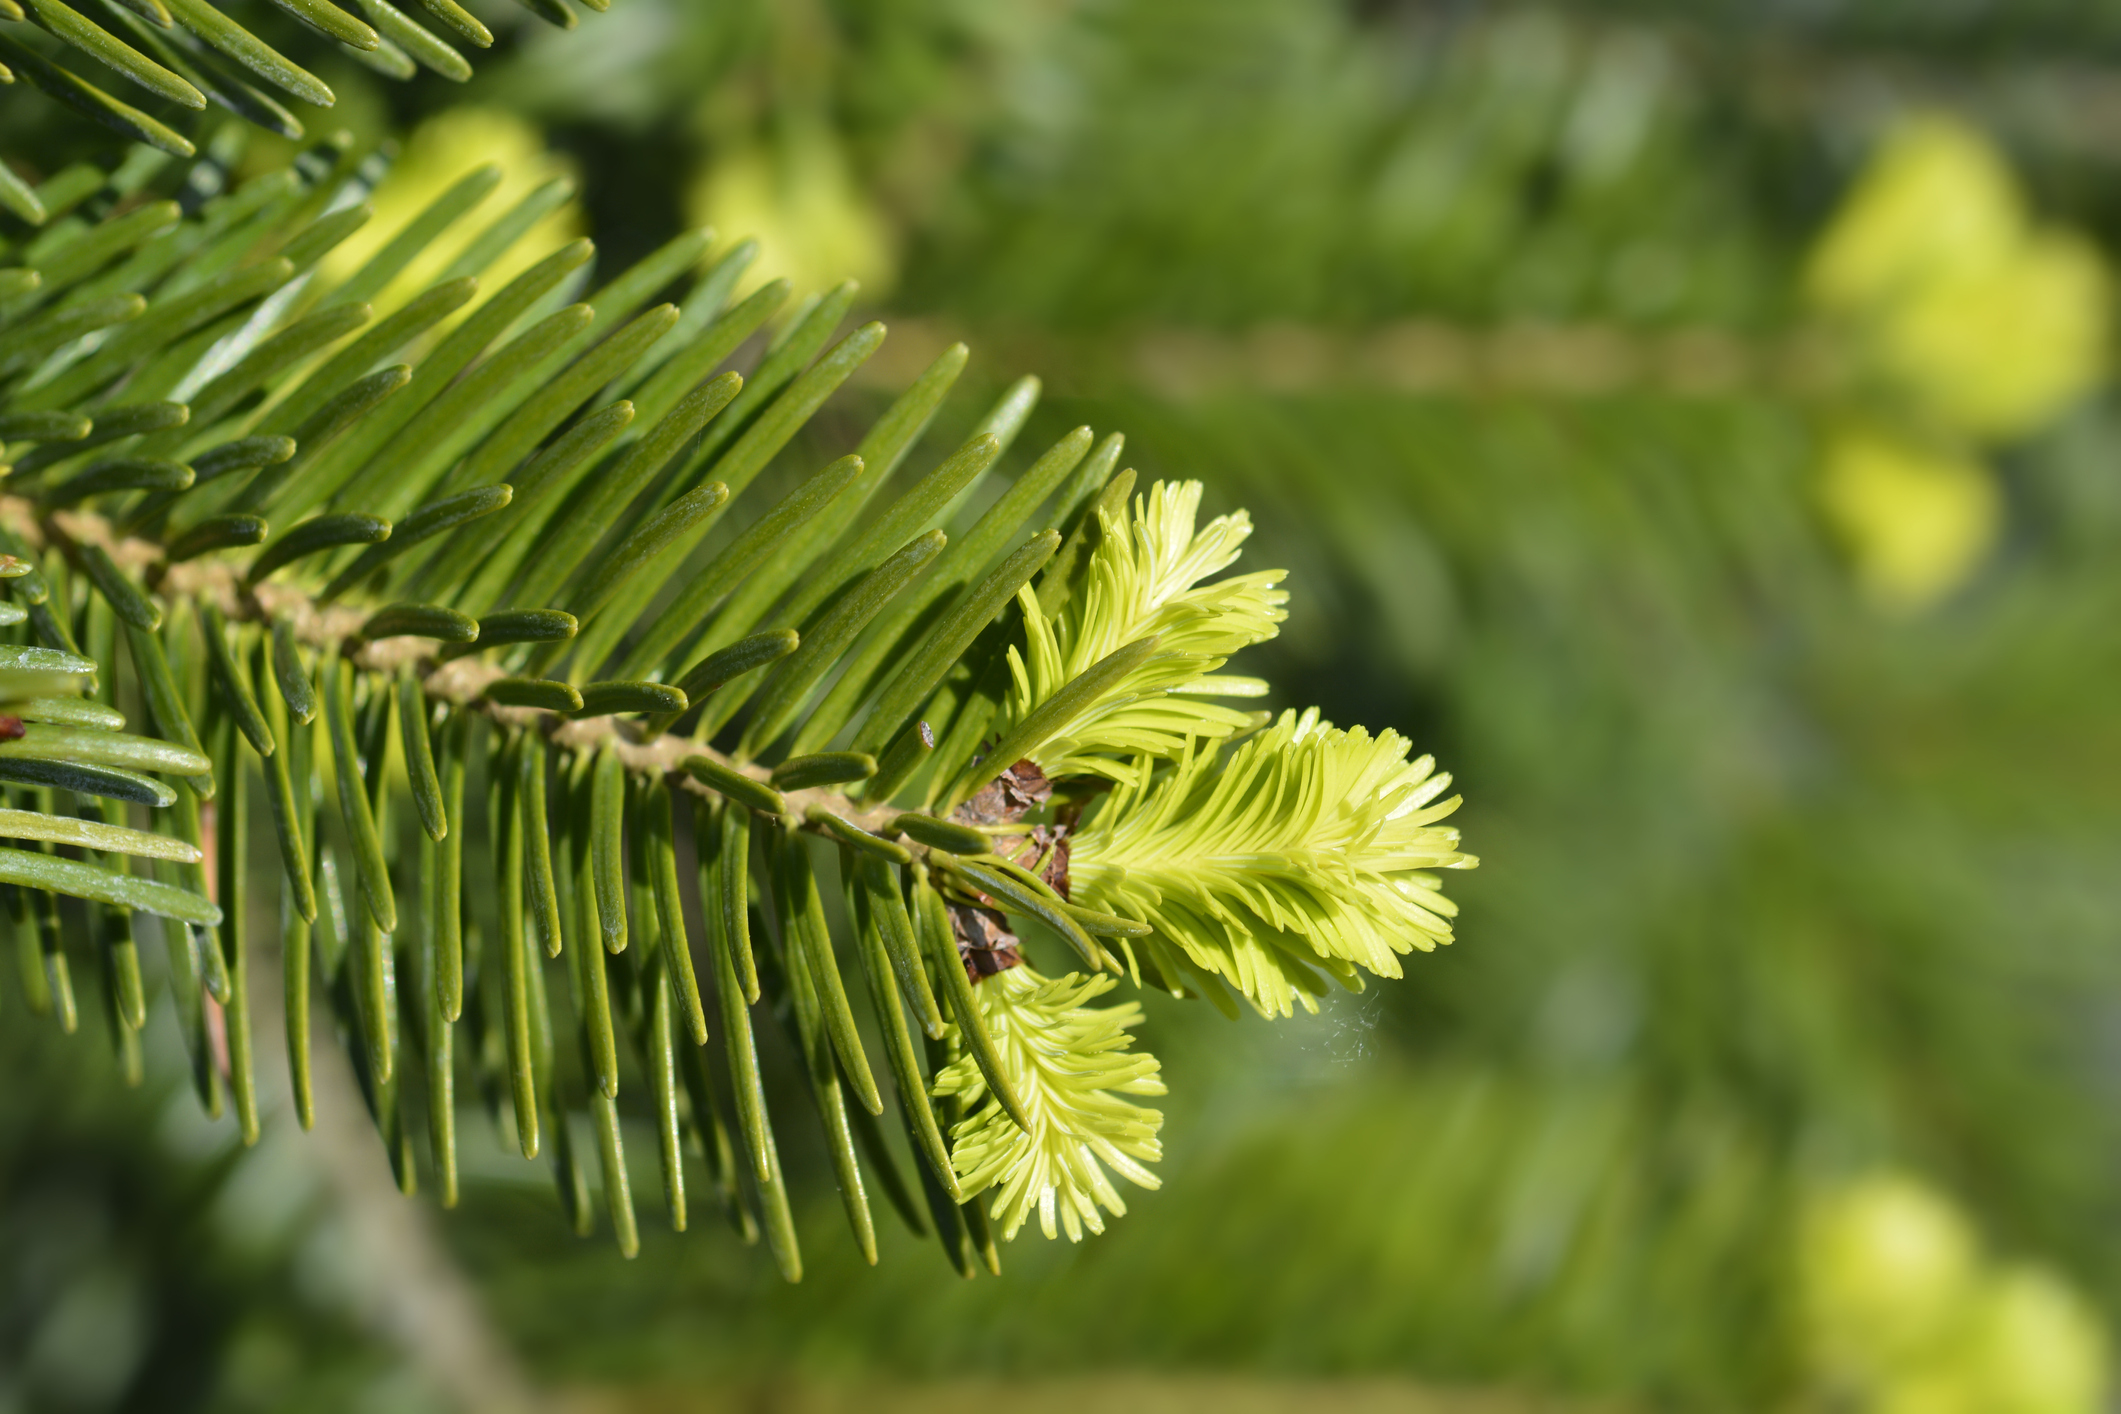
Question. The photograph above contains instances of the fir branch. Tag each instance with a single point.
(309, 590)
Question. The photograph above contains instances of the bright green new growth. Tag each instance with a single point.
(1070, 1069)
(470, 605)
(1304, 847)
(1143, 583)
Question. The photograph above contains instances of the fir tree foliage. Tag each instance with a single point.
(1305, 847)
(565, 717)
(179, 58)
(1144, 615)
(1072, 1072)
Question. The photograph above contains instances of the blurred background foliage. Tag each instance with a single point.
(1691, 421)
